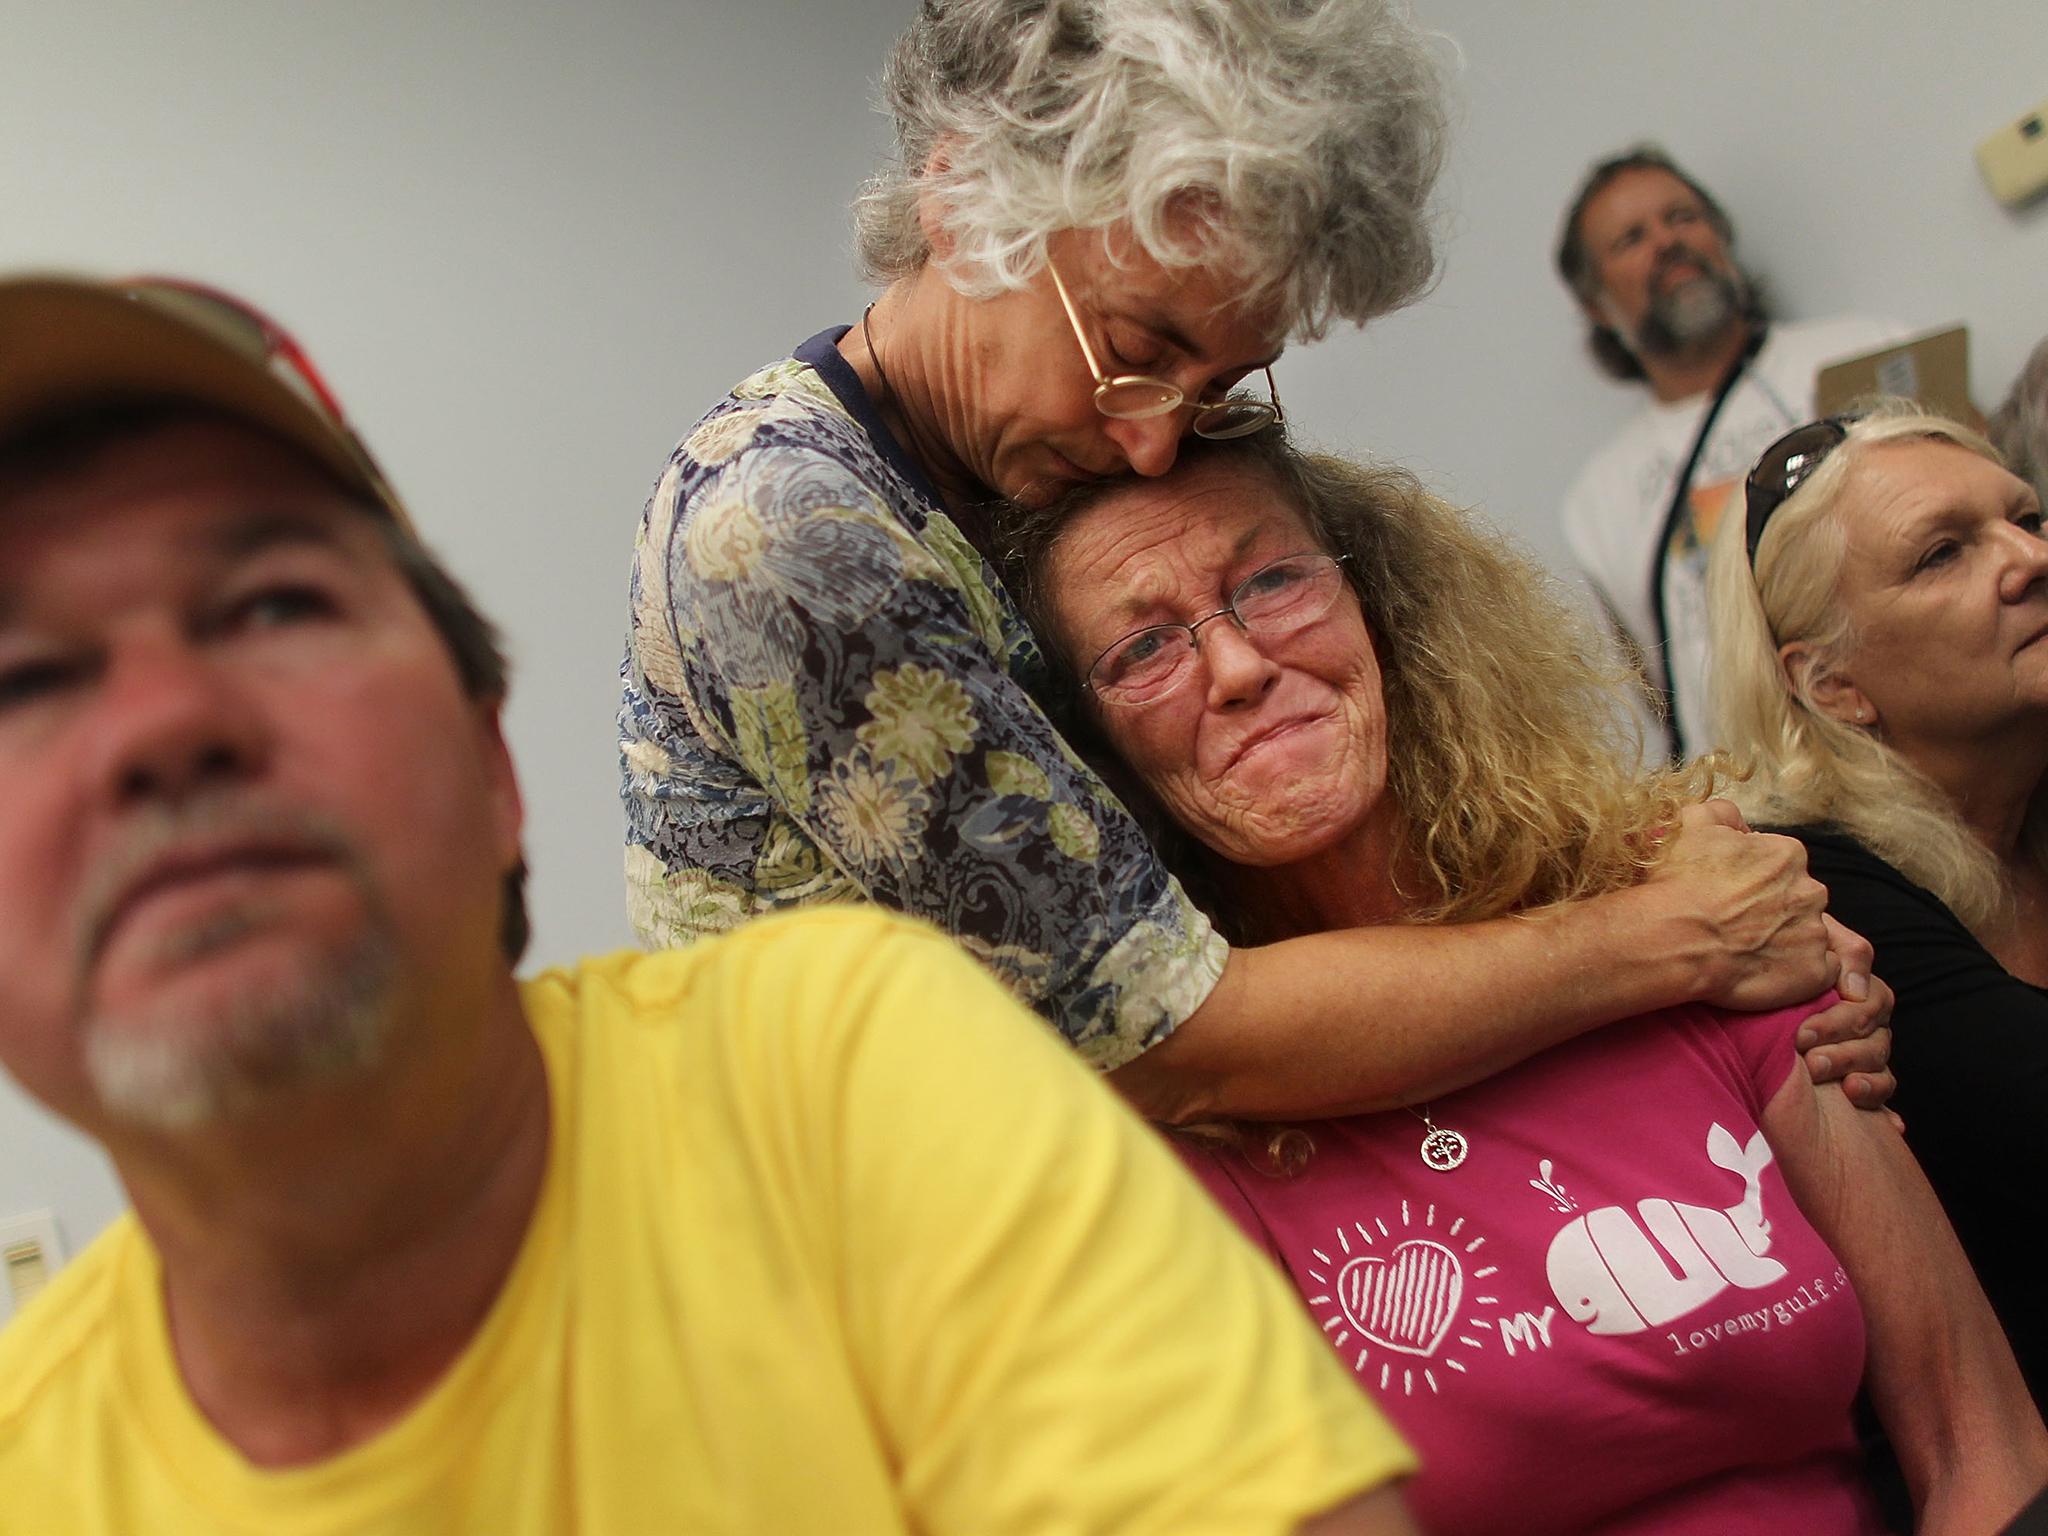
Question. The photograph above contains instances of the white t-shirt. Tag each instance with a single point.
(1615, 507)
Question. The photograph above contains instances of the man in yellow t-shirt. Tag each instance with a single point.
(806, 1229)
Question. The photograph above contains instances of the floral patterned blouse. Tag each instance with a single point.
(825, 700)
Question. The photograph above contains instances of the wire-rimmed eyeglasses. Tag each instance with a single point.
(1140, 396)
(1277, 599)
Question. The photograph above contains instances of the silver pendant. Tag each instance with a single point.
(1443, 1150)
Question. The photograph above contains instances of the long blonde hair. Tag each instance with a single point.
(1805, 765)
(1509, 754)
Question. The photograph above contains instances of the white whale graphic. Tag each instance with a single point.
(1607, 1273)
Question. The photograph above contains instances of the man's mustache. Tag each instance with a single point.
(167, 841)
(1678, 256)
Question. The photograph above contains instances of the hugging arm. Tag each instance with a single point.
(1365, 1019)
(1943, 1379)
(922, 775)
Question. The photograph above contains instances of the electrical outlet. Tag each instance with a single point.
(2014, 160)
(30, 1252)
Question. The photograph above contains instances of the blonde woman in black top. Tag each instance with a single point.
(1881, 634)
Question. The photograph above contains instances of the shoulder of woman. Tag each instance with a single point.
(1760, 1048)
(1833, 853)
(798, 412)
(1818, 834)
(1872, 895)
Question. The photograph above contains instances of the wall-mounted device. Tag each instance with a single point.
(29, 1255)
(2014, 160)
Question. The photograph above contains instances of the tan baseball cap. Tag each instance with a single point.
(68, 340)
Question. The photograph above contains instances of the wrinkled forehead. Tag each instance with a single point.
(1897, 484)
(1636, 194)
(1149, 540)
(156, 439)
(190, 494)
(1208, 299)
(1639, 187)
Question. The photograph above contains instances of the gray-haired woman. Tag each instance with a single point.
(1104, 218)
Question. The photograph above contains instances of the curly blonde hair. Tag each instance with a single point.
(1804, 767)
(1304, 136)
(1510, 756)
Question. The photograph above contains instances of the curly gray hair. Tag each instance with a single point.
(1303, 136)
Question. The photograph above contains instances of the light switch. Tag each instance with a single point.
(30, 1254)
(2014, 160)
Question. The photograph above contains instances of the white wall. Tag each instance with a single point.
(529, 243)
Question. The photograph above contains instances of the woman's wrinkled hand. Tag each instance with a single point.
(1757, 929)
(1851, 1041)
(1765, 941)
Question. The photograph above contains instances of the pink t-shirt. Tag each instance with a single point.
(1610, 1317)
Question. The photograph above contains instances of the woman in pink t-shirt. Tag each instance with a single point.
(1626, 1284)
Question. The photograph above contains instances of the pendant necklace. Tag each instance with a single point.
(1442, 1148)
(875, 357)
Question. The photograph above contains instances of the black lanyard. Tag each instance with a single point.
(1680, 489)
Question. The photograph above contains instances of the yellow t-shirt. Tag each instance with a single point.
(833, 1238)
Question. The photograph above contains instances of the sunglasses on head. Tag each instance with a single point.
(1783, 467)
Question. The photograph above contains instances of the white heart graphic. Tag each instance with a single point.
(1405, 1302)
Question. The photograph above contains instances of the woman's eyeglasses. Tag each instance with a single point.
(1277, 599)
(1783, 467)
(1140, 396)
